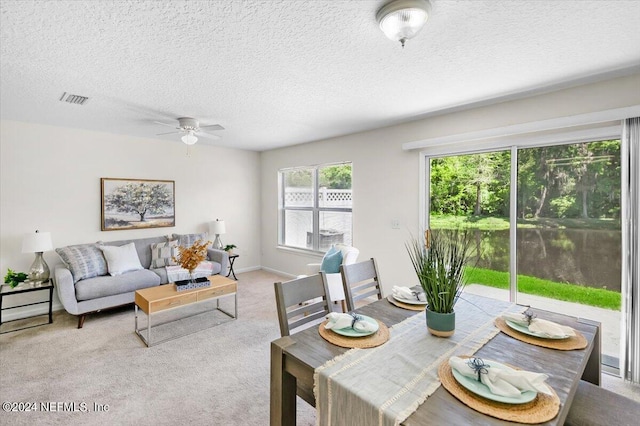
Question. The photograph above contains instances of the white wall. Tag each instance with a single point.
(50, 180)
(386, 178)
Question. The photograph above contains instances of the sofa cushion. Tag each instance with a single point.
(121, 259)
(162, 273)
(93, 288)
(331, 261)
(187, 240)
(162, 254)
(83, 260)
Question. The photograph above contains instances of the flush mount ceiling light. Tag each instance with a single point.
(189, 138)
(401, 20)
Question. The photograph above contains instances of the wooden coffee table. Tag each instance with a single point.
(161, 298)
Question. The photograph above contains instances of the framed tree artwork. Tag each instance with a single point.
(137, 203)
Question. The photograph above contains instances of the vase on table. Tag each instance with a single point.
(441, 325)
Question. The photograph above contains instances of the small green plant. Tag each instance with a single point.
(14, 278)
(439, 261)
(229, 247)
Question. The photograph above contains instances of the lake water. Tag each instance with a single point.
(579, 256)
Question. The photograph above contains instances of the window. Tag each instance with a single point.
(315, 206)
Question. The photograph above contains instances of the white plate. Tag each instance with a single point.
(525, 330)
(482, 390)
(350, 332)
(409, 301)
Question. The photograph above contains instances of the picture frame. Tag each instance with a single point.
(136, 203)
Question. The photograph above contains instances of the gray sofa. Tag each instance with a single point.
(81, 296)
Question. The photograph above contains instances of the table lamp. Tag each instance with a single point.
(217, 228)
(37, 242)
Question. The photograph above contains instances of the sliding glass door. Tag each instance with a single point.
(567, 239)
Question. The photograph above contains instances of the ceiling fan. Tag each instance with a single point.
(190, 128)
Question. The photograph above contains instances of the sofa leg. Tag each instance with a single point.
(81, 320)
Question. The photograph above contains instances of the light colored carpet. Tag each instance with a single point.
(217, 376)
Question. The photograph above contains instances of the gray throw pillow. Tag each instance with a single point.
(162, 254)
(187, 240)
(83, 260)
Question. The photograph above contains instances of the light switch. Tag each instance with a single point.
(395, 224)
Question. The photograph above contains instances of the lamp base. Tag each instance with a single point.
(39, 270)
(217, 243)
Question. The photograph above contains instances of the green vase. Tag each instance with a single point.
(441, 325)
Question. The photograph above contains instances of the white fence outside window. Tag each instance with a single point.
(335, 227)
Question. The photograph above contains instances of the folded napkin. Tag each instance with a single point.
(339, 321)
(541, 326)
(408, 294)
(504, 382)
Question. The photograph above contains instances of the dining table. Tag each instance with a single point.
(295, 358)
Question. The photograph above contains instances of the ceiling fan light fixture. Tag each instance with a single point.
(189, 138)
(401, 20)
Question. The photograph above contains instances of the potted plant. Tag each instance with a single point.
(14, 278)
(439, 261)
(229, 248)
(190, 257)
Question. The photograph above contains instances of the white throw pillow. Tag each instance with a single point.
(121, 259)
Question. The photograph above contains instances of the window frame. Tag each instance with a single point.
(315, 209)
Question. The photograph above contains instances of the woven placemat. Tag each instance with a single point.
(376, 339)
(406, 305)
(542, 409)
(572, 343)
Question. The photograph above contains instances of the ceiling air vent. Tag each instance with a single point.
(74, 99)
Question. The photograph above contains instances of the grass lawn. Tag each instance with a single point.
(490, 223)
(531, 285)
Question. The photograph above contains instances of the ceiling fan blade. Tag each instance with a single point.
(167, 133)
(165, 124)
(207, 135)
(213, 127)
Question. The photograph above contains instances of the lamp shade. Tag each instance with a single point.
(217, 227)
(36, 242)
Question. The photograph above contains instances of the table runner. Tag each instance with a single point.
(385, 385)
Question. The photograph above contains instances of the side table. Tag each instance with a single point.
(232, 259)
(6, 291)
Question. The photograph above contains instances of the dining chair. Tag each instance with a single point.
(334, 280)
(593, 405)
(360, 280)
(299, 302)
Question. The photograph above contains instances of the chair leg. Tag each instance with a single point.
(81, 320)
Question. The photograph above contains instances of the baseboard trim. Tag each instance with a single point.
(248, 269)
(275, 271)
(28, 311)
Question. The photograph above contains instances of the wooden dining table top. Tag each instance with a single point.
(294, 359)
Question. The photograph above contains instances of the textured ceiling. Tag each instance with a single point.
(283, 72)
